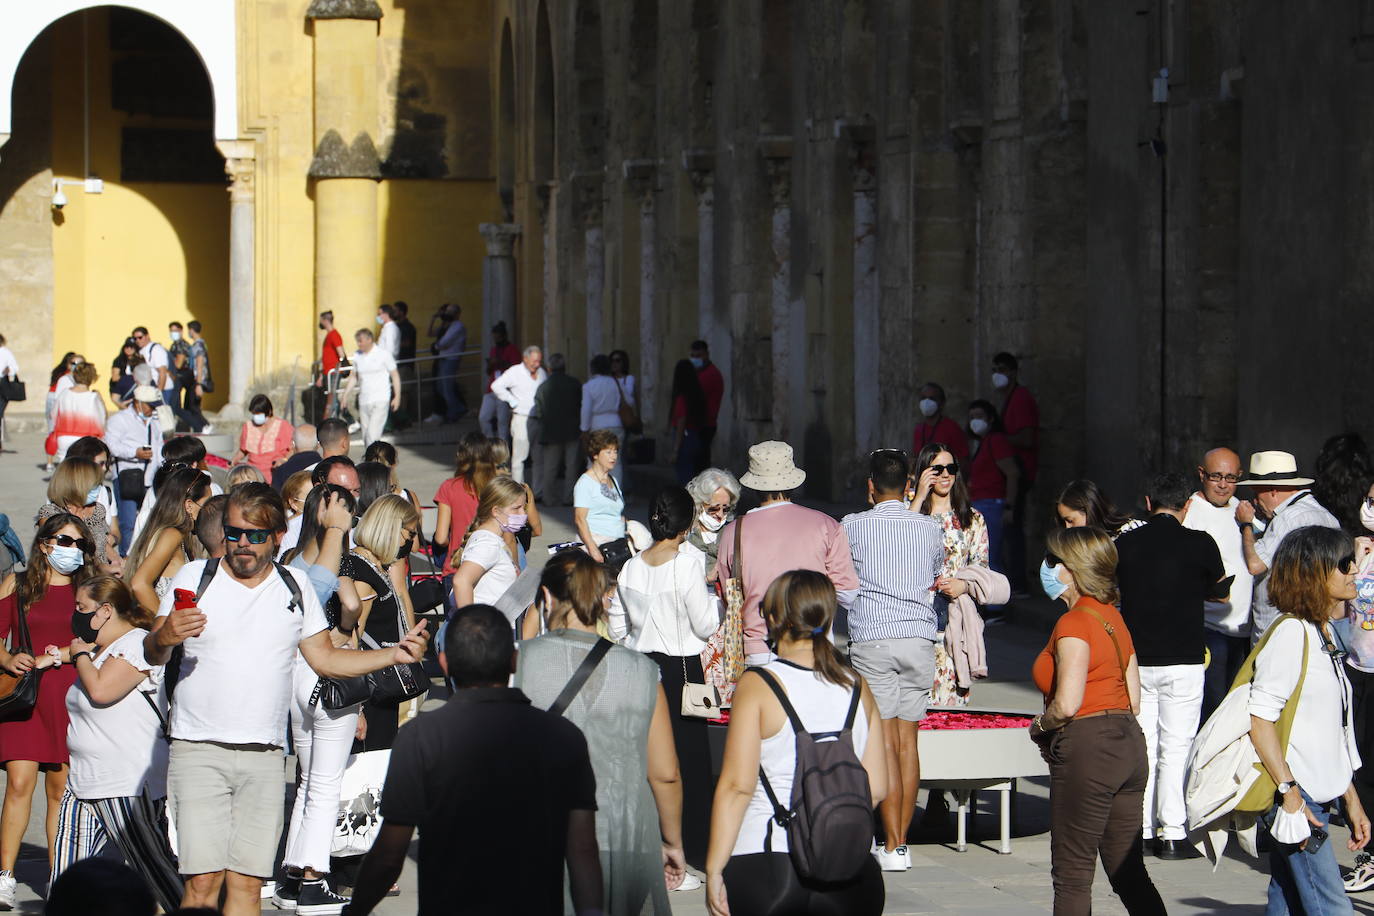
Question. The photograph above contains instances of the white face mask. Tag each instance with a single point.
(929, 407)
(979, 426)
(259, 419)
(710, 523)
(176, 335)
(1000, 380)
(1367, 517)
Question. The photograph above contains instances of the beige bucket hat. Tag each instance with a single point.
(1274, 469)
(771, 468)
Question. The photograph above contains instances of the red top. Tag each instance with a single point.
(462, 509)
(1019, 412)
(329, 355)
(713, 386)
(41, 736)
(985, 478)
(502, 358)
(944, 430)
(679, 414)
(1105, 689)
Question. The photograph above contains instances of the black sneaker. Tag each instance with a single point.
(316, 899)
(288, 889)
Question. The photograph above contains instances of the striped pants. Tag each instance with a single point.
(138, 827)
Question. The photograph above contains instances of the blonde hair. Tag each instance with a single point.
(501, 491)
(71, 482)
(296, 487)
(243, 473)
(379, 530)
(1091, 556)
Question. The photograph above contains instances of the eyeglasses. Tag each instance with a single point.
(1052, 561)
(718, 511)
(1347, 564)
(951, 469)
(66, 540)
(1218, 477)
(1369, 502)
(254, 535)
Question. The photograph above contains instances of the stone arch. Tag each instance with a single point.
(589, 72)
(545, 109)
(505, 121)
(209, 27)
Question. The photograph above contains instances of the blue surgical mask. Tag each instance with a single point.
(698, 362)
(381, 320)
(1049, 581)
(66, 560)
(93, 495)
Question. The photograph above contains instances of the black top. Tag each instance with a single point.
(1166, 572)
(297, 462)
(408, 336)
(482, 778)
(383, 620)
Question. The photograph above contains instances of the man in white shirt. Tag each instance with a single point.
(389, 337)
(135, 440)
(155, 355)
(229, 709)
(374, 371)
(517, 387)
(1213, 509)
(1287, 501)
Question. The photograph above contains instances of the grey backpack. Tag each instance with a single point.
(829, 822)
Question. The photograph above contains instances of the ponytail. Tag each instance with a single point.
(802, 604)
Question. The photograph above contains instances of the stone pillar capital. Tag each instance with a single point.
(587, 203)
(240, 167)
(700, 165)
(777, 159)
(500, 238)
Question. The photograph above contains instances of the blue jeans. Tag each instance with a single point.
(128, 514)
(1228, 654)
(688, 455)
(992, 515)
(454, 407)
(1302, 881)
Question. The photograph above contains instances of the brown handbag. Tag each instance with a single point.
(629, 417)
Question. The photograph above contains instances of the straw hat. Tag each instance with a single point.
(771, 468)
(1274, 469)
(147, 394)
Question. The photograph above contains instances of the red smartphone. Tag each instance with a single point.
(183, 598)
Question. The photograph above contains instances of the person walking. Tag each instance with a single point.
(60, 380)
(388, 332)
(517, 387)
(994, 476)
(200, 379)
(779, 536)
(687, 418)
(332, 356)
(265, 440)
(379, 383)
(135, 439)
(1082, 503)
(79, 410)
(598, 502)
(156, 356)
(713, 386)
(663, 609)
(1166, 573)
(621, 709)
(1311, 578)
(494, 416)
(1088, 732)
(74, 489)
(449, 350)
(166, 544)
(715, 494)
(122, 373)
(557, 407)
(1020, 416)
(36, 611)
(9, 369)
(749, 870)
(601, 407)
(116, 790)
(488, 563)
(455, 501)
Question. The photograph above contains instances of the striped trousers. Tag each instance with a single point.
(138, 827)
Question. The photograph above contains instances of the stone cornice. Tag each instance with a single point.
(344, 9)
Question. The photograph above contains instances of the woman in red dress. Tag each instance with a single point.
(61, 558)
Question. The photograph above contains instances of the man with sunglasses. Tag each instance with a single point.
(1286, 500)
(1213, 509)
(229, 709)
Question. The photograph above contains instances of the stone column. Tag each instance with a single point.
(867, 342)
(700, 166)
(239, 165)
(548, 223)
(777, 158)
(589, 207)
(346, 168)
(640, 175)
(498, 278)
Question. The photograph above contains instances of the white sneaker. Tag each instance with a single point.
(1361, 878)
(6, 890)
(690, 882)
(896, 860)
(354, 427)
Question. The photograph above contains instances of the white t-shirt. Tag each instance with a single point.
(292, 536)
(118, 750)
(389, 339)
(374, 374)
(489, 551)
(1232, 615)
(235, 679)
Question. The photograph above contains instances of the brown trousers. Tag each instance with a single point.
(1097, 788)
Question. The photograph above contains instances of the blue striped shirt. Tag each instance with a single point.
(897, 556)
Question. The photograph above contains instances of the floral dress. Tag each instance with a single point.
(963, 547)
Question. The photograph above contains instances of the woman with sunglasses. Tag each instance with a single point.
(75, 489)
(1310, 581)
(715, 494)
(60, 560)
(166, 544)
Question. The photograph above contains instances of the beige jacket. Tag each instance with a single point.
(964, 632)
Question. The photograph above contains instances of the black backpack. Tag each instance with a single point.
(830, 822)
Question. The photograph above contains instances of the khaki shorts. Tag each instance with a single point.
(228, 807)
(900, 672)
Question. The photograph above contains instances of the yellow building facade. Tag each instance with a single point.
(246, 163)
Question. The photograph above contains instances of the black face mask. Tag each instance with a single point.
(82, 628)
(406, 547)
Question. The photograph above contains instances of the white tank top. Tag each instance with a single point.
(822, 707)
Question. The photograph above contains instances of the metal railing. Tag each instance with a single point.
(419, 395)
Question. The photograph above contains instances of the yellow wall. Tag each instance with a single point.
(137, 254)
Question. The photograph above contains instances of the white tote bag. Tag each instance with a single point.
(360, 803)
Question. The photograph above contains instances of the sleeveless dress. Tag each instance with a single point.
(613, 709)
(42, 735)
(384, 628)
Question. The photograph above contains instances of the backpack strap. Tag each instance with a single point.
(853, 706)
(295, 604)
(206, 574)
(782, 816)
(580, 676)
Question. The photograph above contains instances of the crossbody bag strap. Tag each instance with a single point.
(1111, 631)
(26, 642)
(781, 814)
(580, 676)
(162, 720)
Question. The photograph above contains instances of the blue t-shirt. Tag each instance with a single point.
(604, 504)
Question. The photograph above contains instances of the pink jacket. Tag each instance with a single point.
(964, 632)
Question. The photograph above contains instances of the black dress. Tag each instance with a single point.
(383, 628)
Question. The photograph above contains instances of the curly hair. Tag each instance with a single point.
(1344, 473)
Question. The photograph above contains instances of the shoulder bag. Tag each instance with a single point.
(579, 678)
(19, 694)
(132, 481)
(629, 417)
(722, 661)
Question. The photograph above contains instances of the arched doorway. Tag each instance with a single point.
(114, 109)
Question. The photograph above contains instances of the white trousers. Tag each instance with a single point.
(372, 417)
(1170, 707)
(520, 447)
(323, 738)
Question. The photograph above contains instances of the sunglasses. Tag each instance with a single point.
(1347, 564)
(951, 469)
(1052, 561)
(718, 511)
(254, 535)
(66, 540)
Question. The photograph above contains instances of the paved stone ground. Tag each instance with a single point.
(942, 880)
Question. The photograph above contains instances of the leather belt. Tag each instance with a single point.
(1104, 712)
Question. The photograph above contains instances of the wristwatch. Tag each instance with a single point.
(77, 655)
(1286, 787)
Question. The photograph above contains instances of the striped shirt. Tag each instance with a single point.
(897, 555)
